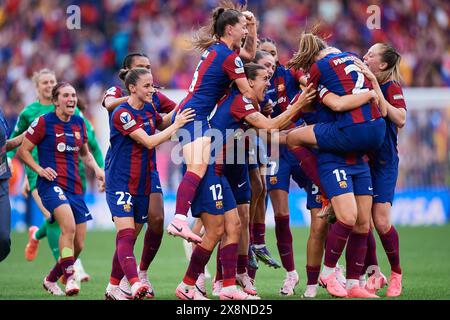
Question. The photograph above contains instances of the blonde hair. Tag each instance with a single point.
(392, 58)
(309, 47)
(37, 75)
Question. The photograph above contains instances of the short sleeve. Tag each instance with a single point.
(242, 107)
(115, 92)
(125, 122)
(395, 96)
(166, 105)
(233, 66)
(314, 75)
(36, 131)
(299, 114)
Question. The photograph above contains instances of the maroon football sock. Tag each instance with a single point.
(199, 259)
(312, 273)
(228, 257)
(284, 242)
(125, 244)
(67, 266)
(355, 254)
(242, 263)
(55, 273)
(391, 246)
(186, 192)
(371, 255)
(152, 241)
(308, 162)
(336, 240)
(259, 233)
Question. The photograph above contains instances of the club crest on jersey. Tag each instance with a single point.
(62, 197)
(219, 204)
(318, 198)
(281, 87)
(246, 100)
(343, 184)
(127, 207)
(77, 135)
(273, 180)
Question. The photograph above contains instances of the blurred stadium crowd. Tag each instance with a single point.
(33, 35)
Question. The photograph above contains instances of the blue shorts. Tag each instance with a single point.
(156, 184)
(239, 180)
(53, 196)
(339, 178)
(193, 130)
(384, 179)
(123, 204)
(314, 196)
(214, 195)
(361, 137)
(280, 172)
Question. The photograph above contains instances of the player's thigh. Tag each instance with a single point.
(364, 205)
(232, 222)
(345, 208)
(38, 201)
(122, 223)
(280, 202)
(381, 214)
(304, 136)
(156, 208)
(64, 216)
(196, 155)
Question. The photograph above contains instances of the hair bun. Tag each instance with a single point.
(123, 73)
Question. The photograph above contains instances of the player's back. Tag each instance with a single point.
(218, 67)
(338, 73)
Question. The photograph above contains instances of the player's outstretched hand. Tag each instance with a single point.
(48, 173)
(365, 70)
(187, 115)
(308, 95)
(100, 175)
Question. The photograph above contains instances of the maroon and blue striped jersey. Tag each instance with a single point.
(218, 67)
(338, 73)
(388, 153)
(128, 163)
(228, 118)
(58, 145)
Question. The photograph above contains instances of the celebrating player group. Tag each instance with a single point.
(328, 119)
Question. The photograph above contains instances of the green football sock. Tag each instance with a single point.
(53, 233)
(42, 231)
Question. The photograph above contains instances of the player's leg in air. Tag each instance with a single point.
(221, 64)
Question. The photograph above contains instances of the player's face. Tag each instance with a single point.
(144, 88)
(238, 32)
(269, 63)
(67, 100)
(140, 62)
(260, 84)
(45, 85)
(373, 58)
(270, 48)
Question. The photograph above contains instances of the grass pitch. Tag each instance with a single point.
(425, 259)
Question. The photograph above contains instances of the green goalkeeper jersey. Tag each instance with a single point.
(35, 110)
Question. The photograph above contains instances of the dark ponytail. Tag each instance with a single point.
(128, 61)
(226, 14)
